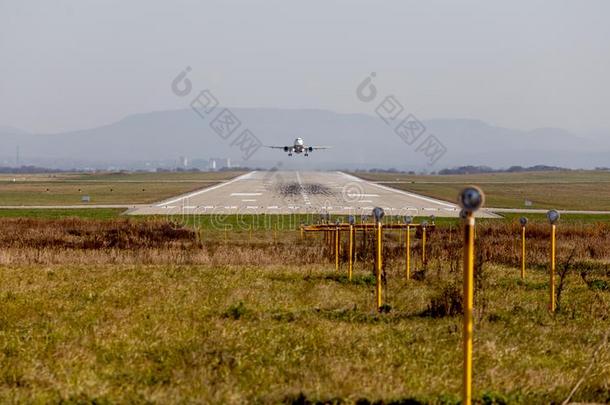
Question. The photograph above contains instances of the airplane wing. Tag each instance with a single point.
(278, 147)
(320, 147)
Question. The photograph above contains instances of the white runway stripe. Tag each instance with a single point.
(205, 190)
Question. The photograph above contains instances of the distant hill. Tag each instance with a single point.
(358, 140)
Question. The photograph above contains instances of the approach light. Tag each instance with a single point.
(553, 216)
(471, 198)
(378, 213)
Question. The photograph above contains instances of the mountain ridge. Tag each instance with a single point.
(361, 140)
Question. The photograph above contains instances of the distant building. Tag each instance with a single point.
(183, 162)
(219, 163)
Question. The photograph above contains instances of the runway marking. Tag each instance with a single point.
(366, 201)
(244, 194)
(362, 195)
(272, 207)
(303, 192)
(205, 190)
(251, 207)
(393, 190)
(250, 200)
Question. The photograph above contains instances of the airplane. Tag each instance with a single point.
(299, 147)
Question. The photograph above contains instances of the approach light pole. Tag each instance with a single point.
(470, 199)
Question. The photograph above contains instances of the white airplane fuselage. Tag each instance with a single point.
(298, 147)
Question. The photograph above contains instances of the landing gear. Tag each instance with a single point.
(307, 154)
(290, 154)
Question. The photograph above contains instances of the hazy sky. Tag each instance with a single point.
(521, 64)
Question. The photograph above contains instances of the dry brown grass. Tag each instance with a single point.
(42, 241)
(149, 311)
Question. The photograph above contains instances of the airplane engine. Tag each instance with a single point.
(310, 149)
(286, 148)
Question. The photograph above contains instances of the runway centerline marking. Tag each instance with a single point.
(303, 192)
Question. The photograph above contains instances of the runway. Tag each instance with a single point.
(296, 192)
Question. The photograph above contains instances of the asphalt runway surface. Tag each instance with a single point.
(298, 192)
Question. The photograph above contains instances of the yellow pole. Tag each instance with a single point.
(355, 242)
(522, 252)
(408, 252)
(379, 266)
(423, 247)
(301, 231)
(468, 305)
(552, 280)
(337, 249)
(351, 251)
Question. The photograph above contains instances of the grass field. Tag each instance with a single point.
(576, 190)
(103, 188)
(146, 311)
(51, 213)
(171, 334)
